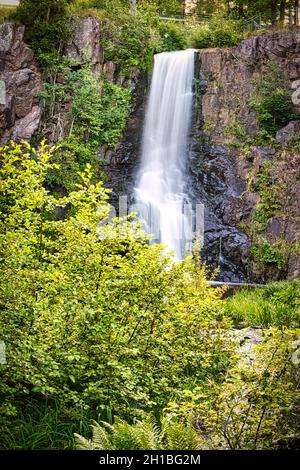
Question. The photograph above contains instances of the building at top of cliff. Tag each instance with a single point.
(12, 3)
(189, 6)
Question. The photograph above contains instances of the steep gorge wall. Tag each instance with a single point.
(227, 174)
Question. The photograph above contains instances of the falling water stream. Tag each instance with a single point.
(160, 191)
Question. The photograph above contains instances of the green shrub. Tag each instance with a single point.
(278, 304)
(272, 101)
(39, 425)
(295, 143)
(270, 254)
(97, 117)
(92, 316)
(257, 405)
(270, 191)
(218, 32)
(130, 41)
(173, 36)
(46, 21)
(6, 13)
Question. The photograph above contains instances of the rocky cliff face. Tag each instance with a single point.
(231, 73)
(222, 176)
(20, 111)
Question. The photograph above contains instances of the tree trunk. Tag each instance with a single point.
(240, 9)
(274, 12)
(291, 16)
(282, 11)
(296, 15)
(133, 6)
(200, 8)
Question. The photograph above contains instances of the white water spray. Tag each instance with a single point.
(160, 191)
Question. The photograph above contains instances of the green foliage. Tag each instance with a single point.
(92, 316)
(127, 49)
(240, 139)
(96, 117)
(174, 7)
(272, 102)
(258, 402)
(46, 22)
(150, 36)
(5, 13)
(270, 191)
(278, 304)
(41, 426)
(142, 435)
(270, 255)
(218, 32)
(295, 143)
(173, 36)
(270, 11)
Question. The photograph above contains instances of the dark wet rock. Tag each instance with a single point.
(285, 135)
(275, 227)
(224, 177)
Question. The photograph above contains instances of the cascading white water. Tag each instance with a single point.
(160, 191)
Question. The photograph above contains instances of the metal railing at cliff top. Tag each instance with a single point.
(253, 23)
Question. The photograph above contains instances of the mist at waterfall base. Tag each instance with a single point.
(160, 192)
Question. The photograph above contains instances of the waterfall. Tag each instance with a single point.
(160, 192)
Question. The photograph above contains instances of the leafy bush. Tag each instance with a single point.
(295, 143)
(97, 117)
(173, 36)
(130, 41)
(40, 426)
(271, 254)
(5, 13)
(270, 191)
(272, 101)
(46, 22)
(240, 138)
(142, 435)
(257, 405)
(218, 32)
(278, 304)
(92, 316)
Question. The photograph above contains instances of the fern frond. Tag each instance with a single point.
(82, 443)
(142, 435)
(147, 434)
(181, 437)
(101, 438)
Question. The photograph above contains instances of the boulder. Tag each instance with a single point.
(25, 128)
(285, 135)
(84, 44)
